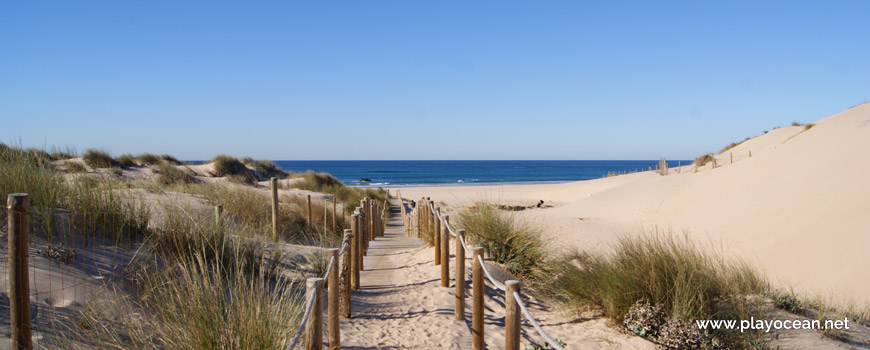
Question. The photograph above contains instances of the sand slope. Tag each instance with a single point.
(797, 207)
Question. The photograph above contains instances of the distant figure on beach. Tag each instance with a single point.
(541, 203)
(365, 179)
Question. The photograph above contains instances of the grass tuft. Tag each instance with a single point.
(99, 159)
(126, 160)
(148, 159)
(703, 160)
(505, 238)
(168, 174)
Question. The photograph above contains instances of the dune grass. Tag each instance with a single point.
(703, 160)
(148, 159)
(266, 168)
(126, 160)
(99, 159)
(664, 273)
(326, 183)
(213, 295)
(168, 174)
(505, 238)
(75, 167)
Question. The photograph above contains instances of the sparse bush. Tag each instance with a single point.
(247, 179)
(504, 238)
(99, 159)
(796, 124)
(316, 181)
(126, 160)
(809, 126)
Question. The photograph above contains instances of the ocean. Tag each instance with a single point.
(398, 173)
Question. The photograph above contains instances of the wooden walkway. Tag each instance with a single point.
(400, 304)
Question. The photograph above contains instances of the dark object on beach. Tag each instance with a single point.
(541, 203)
(365, 179)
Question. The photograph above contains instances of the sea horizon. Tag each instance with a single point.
(415, 173)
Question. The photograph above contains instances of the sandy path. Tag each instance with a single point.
(399, 304)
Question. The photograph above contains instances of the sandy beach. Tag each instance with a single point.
(792, 202)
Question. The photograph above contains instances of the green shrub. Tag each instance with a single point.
(99, 159)
(504, 237)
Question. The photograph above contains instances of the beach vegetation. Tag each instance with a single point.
(504, 237)
(703, 160)
(225, 165)
(809, 126)
(126, 160)
(732, 145)
(266, 168)
(168, 174)
(795, 123)
(657, 285)
(170, 159)
(75, 167)
(148, 159)
(99, 159)
(326, 183)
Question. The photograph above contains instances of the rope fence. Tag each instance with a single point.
(426, 220)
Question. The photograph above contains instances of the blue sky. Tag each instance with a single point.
(424, 80)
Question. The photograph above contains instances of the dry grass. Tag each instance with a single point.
(168, 174)
(504, 237)
(99, 159)
(266, 168)
(703, 160)
(126, 160)
(148, 159)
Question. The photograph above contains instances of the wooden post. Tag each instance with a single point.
(436, 236)
(332, 302)
(309, 210)
(512, 316)
(334, 215)
(314, 326)
(17, 212)
(477, 300)
(460, 277)
(346, 262)
(356, 249)
(732, 157)
(218, 211)
(273, 183)
(445, 252)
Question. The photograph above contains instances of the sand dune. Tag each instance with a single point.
(797, 207)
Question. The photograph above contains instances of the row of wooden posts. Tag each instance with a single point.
(273, 186)
(367, 223)
(425, 222)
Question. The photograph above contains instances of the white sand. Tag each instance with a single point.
(797, 208)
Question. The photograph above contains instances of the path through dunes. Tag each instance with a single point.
(400, 305)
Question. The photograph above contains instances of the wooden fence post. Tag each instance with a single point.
(477, 300)
(332, 302)
(512, 316)
(334, 216)
(356, 249)
(460, 276)
(445, 252)
(436, 236)
(346, 262)
(314, 326)
(309, 211)
(273, 183)
(17, 213)
(218, 211)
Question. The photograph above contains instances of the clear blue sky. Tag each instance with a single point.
(470, 79)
